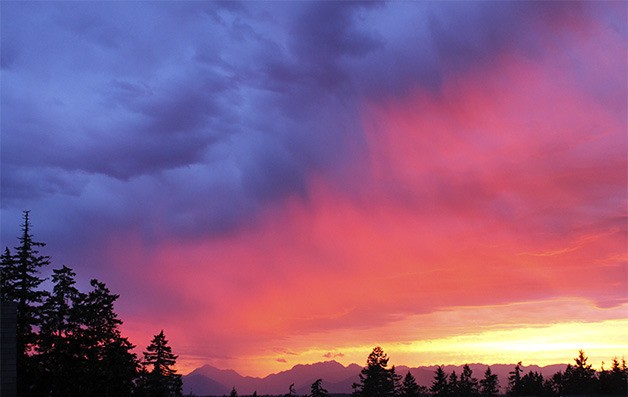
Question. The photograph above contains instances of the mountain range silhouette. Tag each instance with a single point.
(337, 378)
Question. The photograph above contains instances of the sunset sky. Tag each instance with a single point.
(274, 183)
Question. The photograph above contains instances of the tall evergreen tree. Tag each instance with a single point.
(409, 387)
(440, 385)
(468, 385)
(376, 380)
(58, 351)
(453, 386)
(489, 386)
(318, 390)
(162, 380)
(21, 282)
(110, 365)
(579, 378)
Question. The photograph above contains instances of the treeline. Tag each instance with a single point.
(69, 341)
(378, 380)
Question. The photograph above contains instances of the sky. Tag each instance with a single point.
(274, 183)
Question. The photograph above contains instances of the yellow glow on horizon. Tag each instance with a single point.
(541, 345)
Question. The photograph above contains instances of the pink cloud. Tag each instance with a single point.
(508, 187)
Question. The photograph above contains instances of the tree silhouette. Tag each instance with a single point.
(440, 386)
(161, 380)
(409, 387)
(111, 367)
(532, 384)
(318, 390)
(489, 386)
(375, 379)
(453, 386)
(291, 391)
(58, 350)
(514, 381)
(234, 392)
(21, 281)
(614, 382)
(8, 277)
(579, 378)
(468, 385)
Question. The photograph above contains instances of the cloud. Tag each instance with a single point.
(281, 360)
(246, 155)
(333, 355)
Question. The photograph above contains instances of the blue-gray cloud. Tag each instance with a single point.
(196, 115)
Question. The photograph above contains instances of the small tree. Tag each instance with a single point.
(234, 392)
(291, 391)
(453, 385)
(162, 380)
(409, 387)
(514, 381)
(489, 386)
(318, 390)
(440, 385)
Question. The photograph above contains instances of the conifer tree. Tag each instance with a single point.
(468, 385)
(453, 385)
(489, 386)
(514, 381)
(440, 385)
(532, 384)
(234, 392)
(614, 382)
(58, 351)
(579, 378)
(110, 366)
(375, 379)
(8, 277)
(318, 390)
(291, 391)
(161, 380)
(409, 387)
(20, 277)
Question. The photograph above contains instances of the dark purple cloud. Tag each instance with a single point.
(188, 118)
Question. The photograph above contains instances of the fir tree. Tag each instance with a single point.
(489, 386)
(110, 365)
(409, 387)
(532, 384)
(291, 391)
(58, 352)
(318, 390)
(468, 385)
(8, 277)
(20, 274)
(579, 378)
(439, 384)
(162, 380)
(614, 382)
(514, 381)
(375, 379)
(453, 385)
(234, 392)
